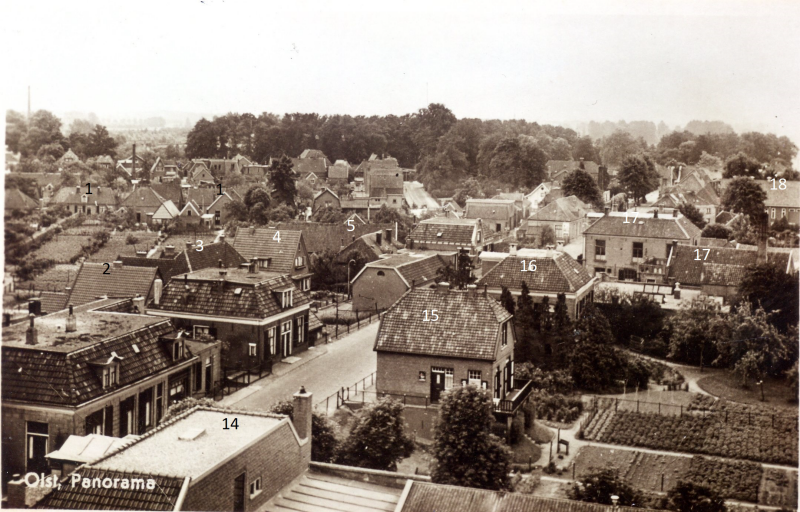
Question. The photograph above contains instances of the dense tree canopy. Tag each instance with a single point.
(581, 184)
(378, 439)
(638, 176)
(745, 196)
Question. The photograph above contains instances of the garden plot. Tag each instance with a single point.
(778, 488)
(62, 248)
(642, 470)
(733, 480)
(54, 279)
(117, 246)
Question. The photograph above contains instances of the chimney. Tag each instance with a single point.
(443, 288)
(655, 213)
(676, 292)
(675, 213)
(169, 250)
(222, 237)
(605, 210)
(472, 289)
(78, 189)
(72, 322)
(188, 246)
(117, 264)
(388, 236)
(18, 490)
(253, 268)
(158, 287)
(138, 304)
(301, 416)
(31, 335)
(485, 290)
(378, 237)
(35, 306)
(219, 263)
(512, 249)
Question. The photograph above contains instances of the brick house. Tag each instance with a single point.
(78, 199)
(102, 368)
(143, 201)
(326, 198)
(203, 465)
(497, 214)
(626, 245)
(95, 281)
(448, 234)
(382, 282)
(218, 208)
(171, 263)
(556, 273)
(262, 316)
(277, 250)
(433, 339)
(566, 216)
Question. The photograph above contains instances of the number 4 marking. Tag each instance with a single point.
(697, 254)
(277, 236)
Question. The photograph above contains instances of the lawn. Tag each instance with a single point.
(540, 433)
(726, 385)
(642, 470)
(524, 451)
(61, 248)
(419, 463)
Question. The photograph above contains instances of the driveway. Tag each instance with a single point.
(348, 360)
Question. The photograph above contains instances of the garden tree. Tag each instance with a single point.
(16, 126)
(431, 123)
(378, 439)
(82, 126)
(619, 145)
(54, 150)
(517, 161)
(584, 148)
(717, 231)
(281, 213)
(323, 433)
(282, 177)
(388, 215)
(328, 214)
(692, 333)
(638, 176)
(44, 128)
(202, 141)
(747, 331)
(630, 315)
(710, 162)
(593, 363)
(547, 236)
(561, 321)
(742, 165)
(465, 452)
(524, 326)
(765, 147)
(78, 143)
(27, 186)
(769, 286)
(600, 484)
(100, 143)
(460, 276)
(744, 196)
(446, 167)
(305, 194)
(792, 378)
(593, 327)
(471, 190)
(255, 195)
(559, 150)
(692, 497)
(327, 273)
(507, 300)
(581, 184)
(691, 212)
(749, 367)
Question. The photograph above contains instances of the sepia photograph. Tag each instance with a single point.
(415, 256)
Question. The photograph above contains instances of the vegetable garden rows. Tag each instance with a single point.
(707, 434)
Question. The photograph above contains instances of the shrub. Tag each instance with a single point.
(324, 442)
(378, 439)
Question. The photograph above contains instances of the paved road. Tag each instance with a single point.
(348, 360)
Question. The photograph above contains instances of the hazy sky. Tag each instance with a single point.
(552, 62)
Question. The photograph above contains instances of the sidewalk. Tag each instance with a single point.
(278, 371)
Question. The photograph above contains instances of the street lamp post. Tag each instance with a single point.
(761, 387)
(348, 277)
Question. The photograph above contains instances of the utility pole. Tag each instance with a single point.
(133, 163)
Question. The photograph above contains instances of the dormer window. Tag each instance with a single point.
(287, 298)
(177, 350)
(299, 261)
(110, 375)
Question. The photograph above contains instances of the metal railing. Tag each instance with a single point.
(506, 406)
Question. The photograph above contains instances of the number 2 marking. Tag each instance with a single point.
(108, 267)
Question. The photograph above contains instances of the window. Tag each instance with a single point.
(271, 340)
(255, 487)
(177, 350)
(381, 273)
(200, 330)
(286, 299)
(504, 328)
(159, 402)
(448, 378)
(783, 212)
(263, 263)
(110, 374)
(300, 329)
(772, 213)
(638, 249)
(306, 284)
(252, 349)
(421, 376)
(600, 249)
(474, 377)
(298, 261)
(37, 442)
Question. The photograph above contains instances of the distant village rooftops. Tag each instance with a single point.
(646, 225)
(555, 272)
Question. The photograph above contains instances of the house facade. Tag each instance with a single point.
(144, 202)
(566, 216)
(497, 214)
(628, 244)
(326, 198)
(276, 250)
(78, 199)
(448, 234)
(102, 368)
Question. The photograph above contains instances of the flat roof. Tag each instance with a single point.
(192, 444)
(397, 260)
(92, 327)
(232, 275)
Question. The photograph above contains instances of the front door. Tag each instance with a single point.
(286, 339)
(437, 384)
(37, 448)
(238, 493)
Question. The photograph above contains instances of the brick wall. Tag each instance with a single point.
(619, 252)
(277, 459)
(399, 373)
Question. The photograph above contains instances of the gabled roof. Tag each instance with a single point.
(468, 326)
(414, 269)
(121, 282)
(563, 209)
(720, 266)
(260, 243)
(191, 260)
(666, 227)
(724, 217)
(104, 159)
(326, 189)
(313, 154)
(556, 272)
(166, 211)
(445, 230)
(143, 197)
(53, 301)
(320, 237)
(69, 155)
(72, 195)
(305, 166)
(367, 246)
(168, 191)
(339, 171)
(202, 196)
(192, 206)
(17, 200)
(207, 295)
(69, 497)
(555, 167)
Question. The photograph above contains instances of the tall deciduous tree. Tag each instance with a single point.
(44, 128)
(580, 183)
(695, 498)
(745, 196)
(282, 179)
(202, 140)
(769, 286)
(379, 439)
(101, 143)
(742, 165)
(638, 176)
(691, 212)
(465, 451)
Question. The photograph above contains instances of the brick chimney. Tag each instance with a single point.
(35, 306)
(655, 213)
(31, 335)
(675, 213)
(158, 287)
(72, 322)
(443, 288)
(169, 250)
(512, 249)
(472, 289)
(253, 267)
(378, 237)
(188, 245)
(301, 417)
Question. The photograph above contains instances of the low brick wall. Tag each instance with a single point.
(387, 478)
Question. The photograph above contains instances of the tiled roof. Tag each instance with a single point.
(100, 196)
(144, 196)
(555, 272)
(70, 497)
(330, 493)
(493, 209)
(713, 242)
(92, 283)
(453, 231)
(563, 209)
(319, 237)
(314, 322)
(207, 296)
(790, 196)
(202, 196)
(259, 243)
(366, 246)
(724, 217)
(17, 200)
(313, 153)
(720, 266)
(59, 372)
(415, 268)
(188, 261)
(429, 497)
(169, 191)
(468, 325)
(53, 301)
(339, 171)
(667, 227)
(305, 166)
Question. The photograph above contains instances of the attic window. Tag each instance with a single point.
(286, 299)
(263, 263)
(136, 348)
(177, 350)
(110, 375)
(237, 291)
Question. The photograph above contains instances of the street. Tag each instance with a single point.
(348, 360)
